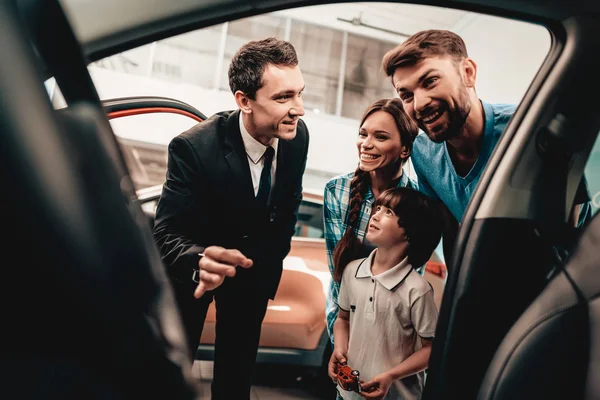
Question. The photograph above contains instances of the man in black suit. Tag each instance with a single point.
(234, 184)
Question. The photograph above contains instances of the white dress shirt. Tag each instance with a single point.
(255, 151)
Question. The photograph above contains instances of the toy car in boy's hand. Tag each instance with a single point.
(348, 378)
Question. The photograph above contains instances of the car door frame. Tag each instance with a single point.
(495, 209)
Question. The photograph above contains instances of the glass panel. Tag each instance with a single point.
(592, 176)
(135, 61)
(364, 82)
(310, 220)
(241, 31)
(319, 52)
(144, 139)
(189, 58)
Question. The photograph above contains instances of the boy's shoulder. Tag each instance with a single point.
(417, 284)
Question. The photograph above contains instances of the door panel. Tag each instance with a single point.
(517, 216)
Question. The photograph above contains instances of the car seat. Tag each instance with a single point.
(553, 350)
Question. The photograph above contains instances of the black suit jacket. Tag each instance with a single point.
(208, 199)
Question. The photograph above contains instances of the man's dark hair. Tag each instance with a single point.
(422, 45)
(250, 61)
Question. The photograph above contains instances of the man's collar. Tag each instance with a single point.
(391, 278)
(488, 114)
(403, 182)
(254, 148)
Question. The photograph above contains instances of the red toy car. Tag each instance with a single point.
(348, 378)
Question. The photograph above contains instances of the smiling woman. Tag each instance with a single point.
(384, 143)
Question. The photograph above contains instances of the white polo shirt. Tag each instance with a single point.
(388, 314)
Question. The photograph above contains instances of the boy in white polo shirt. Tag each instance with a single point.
(387, 314)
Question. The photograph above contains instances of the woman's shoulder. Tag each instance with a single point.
(339, 182)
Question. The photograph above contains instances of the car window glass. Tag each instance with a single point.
(310, 220)
(592, 176)
(339, 48)
(144, 139)
(54, 93)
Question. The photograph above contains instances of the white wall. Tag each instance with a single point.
(508, 54)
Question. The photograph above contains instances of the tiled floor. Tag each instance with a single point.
(273, 383)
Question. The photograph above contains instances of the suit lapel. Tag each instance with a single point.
(237, 160)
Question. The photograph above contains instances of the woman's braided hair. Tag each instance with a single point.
(349, 246)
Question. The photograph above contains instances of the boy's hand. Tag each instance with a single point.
(377, 388)
(338, 356)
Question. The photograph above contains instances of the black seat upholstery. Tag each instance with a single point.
(87, 310)
(553, 350)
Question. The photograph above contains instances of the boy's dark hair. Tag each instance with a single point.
(422, 45)
(250, 61)
(348, 248)
(421, 218)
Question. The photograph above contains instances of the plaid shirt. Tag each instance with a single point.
(336, 201)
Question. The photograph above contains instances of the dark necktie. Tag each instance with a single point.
(264, 187)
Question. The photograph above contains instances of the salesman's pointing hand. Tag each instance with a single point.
(217, 263)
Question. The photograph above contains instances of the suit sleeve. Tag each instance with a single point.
(176, 208)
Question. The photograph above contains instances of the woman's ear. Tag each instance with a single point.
(404, 152)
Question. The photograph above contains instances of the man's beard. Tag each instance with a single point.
(456, 120)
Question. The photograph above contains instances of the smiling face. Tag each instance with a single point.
(278, 105)
(378, 143)
(435, 94)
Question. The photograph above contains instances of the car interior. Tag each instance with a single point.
(89, 278)
(518, 319)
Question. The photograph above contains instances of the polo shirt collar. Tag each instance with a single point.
(391, 278)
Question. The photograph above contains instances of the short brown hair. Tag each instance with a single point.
(250, 61)
(422, 45)
(421, 218)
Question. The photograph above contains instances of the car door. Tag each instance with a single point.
(505, 252)
(143, 127)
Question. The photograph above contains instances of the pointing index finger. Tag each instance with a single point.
(231, 257)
